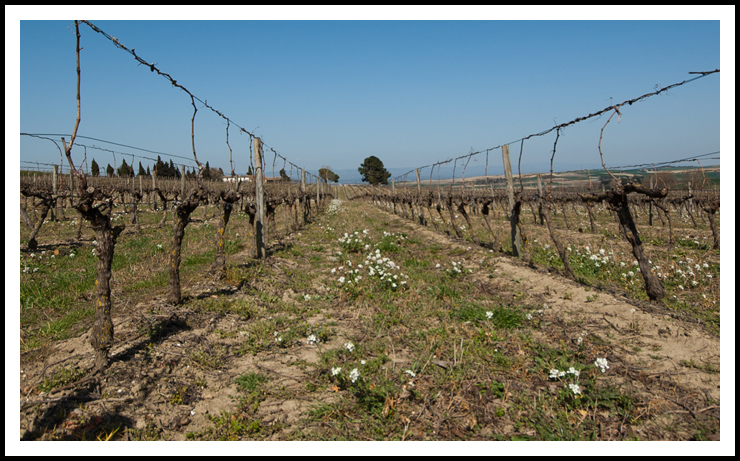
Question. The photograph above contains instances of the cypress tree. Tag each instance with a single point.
(94, 168)
(207, 172)
(124, 171)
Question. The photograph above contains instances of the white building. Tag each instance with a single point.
(247, 178)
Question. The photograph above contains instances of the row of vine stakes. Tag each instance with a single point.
(92, 200)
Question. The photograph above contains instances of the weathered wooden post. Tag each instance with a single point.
(305, 197)
(421, 207)
(55, 191)
(393, 194)
(154, 187)
(539, 198)
(650, 204)
(182, 180)
(516, 236)
(259, 218)
(72, 188)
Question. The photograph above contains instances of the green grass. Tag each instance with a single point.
(249, 382)
(57, 298)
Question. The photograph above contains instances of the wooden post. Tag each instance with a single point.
(305, 196)
(516, 237)
(651, 202)
(55, 191)
(539, 195)
(72, 189)
(182, 179)
(154, 186)
(317, 195)
(393, 194)
(421, 207)
(259, 218)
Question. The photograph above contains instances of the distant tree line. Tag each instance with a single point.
(163, 170)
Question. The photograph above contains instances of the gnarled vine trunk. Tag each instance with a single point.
(182, 214)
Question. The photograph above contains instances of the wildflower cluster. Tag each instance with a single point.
(602, 364)
(52, 261)
(575, 388)
(377, 266)
(355, 242)
(594, 263)
(681, 273)
(334, 207)
(455, 270)
(382, 268)
(687, 271)
(389, 241)
(351, 378)
(413, 375)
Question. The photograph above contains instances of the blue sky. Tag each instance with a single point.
(409, 92)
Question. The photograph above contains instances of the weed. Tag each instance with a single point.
(227, 426)
(708, 368)
(249, 382)
(61, 378)
(208, 359)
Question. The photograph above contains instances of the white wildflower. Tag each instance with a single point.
(575, 388)
(602, 363)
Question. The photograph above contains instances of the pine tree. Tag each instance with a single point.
(141, 170)
(373, 171)
(328, 175)
(249, 171)
(111, 172)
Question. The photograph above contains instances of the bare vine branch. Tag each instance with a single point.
(616, 111)
(554, 148)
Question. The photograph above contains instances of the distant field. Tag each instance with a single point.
(574, 179)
